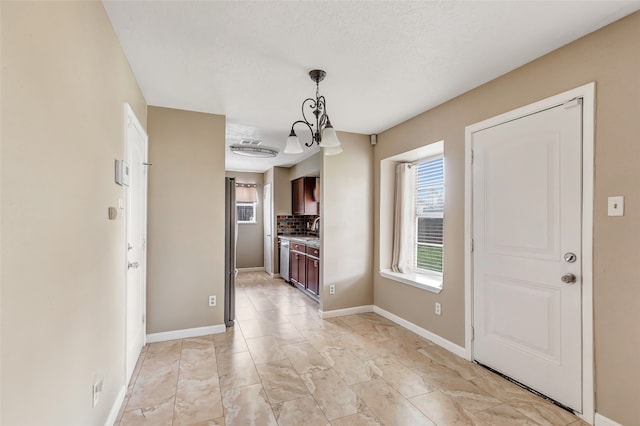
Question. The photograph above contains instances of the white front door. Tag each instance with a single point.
(527, 236)
(268, 230)
(136, 218)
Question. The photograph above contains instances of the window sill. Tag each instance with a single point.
(424, 282)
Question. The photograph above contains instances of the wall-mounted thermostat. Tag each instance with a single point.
(123, 173)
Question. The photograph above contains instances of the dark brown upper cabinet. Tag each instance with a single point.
(305, 196)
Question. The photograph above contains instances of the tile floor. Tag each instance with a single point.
(282, 365)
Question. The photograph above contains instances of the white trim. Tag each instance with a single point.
(422, 281)
(186, 333)
(346, 311)
(115, 408)
(601, 420)
(131, 118)
(254, 269)
(468, 258)
(587, 93)
(440, 341)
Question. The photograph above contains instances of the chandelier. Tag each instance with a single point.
(322, 132)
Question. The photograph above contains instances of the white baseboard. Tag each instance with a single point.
(346, 311)
(255, 269)
(440, 341)
(115, 408)
(601, 420)
(186, 333)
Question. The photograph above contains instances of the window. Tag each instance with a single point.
(246, 212)
(429, 215)
(246, 202)
(411, 217)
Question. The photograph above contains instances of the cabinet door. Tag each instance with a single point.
(313, 275)
(297, 196)
(310, 200)
(294, 260)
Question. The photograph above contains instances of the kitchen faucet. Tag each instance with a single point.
(316, 224)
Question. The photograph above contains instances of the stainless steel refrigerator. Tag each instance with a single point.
(230, 239)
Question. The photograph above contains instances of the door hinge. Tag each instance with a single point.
(472, 245)
(471, 156)
(143, 318)
(573, 102)
(473, 334)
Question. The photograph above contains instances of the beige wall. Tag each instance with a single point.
(347, 224)
(186, 219)
(281, 205)
(64, 83)
(611, 58)
(281, 191)
(250, 248)
(308, 167)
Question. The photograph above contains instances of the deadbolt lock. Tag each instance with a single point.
(570, 257)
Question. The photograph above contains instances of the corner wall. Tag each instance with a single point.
(346, 224)
(281, 193)
(65, 81)
(611, 58)
(185, 260)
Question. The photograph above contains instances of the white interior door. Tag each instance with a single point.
(136, 217)
(268, 229)
(526, 223)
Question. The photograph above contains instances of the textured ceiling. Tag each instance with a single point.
(385, 61)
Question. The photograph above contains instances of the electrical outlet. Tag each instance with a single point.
(332, 289)
(438, 309)
(212, 301)
(96, 389)
(616, 206)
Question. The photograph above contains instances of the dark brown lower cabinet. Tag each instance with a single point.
(298, 268)
(305, 269)
(313, 275)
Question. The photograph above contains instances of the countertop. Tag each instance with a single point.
(304, 239)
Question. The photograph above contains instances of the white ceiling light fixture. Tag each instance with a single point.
(324, 133)
(334, 150)
(253, 148)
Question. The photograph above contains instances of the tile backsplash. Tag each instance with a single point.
(296, 225)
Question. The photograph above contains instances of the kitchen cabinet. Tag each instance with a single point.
(298, 265)
(313, 275)
(305, 268)
(305, 196)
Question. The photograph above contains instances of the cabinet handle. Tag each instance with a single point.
(315, 263)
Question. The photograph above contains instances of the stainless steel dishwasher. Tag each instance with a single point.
(284, 259)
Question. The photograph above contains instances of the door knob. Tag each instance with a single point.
(132, 265)
(568, 278)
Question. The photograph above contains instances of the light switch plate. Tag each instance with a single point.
(616, 206)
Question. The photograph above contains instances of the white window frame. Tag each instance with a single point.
(255, 211)
(438, 275)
